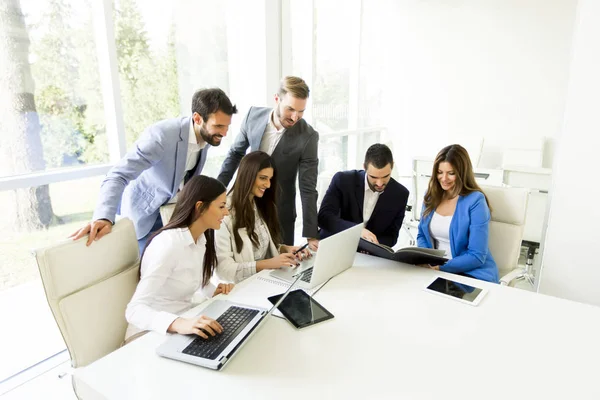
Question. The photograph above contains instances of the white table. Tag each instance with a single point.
(389, 339)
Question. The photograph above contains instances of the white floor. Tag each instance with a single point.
(32, 335)
(45, 386)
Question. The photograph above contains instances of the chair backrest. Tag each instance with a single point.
(509, 207)
(166, 212)
(88, 289)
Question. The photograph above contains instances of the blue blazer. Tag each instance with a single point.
(148, 176)
(342, 207)
(468, 239)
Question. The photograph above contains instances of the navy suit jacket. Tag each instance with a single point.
(342, 207)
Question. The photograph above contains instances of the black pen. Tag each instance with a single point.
(300, 249)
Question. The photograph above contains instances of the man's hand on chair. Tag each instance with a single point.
(96, 229)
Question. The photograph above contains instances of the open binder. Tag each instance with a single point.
(409, 255)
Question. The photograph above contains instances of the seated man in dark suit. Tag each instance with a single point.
(369, 195)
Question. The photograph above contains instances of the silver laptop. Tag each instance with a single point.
(335, 255)
(239, 323)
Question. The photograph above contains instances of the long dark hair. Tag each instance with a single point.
(198, 188)
(241, 208)
(465, 183)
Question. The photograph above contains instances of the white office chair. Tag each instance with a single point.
(509, 208)
(88, 289)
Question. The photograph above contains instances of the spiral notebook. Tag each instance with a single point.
(257, 290)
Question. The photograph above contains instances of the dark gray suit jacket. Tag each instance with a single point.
(296, 154)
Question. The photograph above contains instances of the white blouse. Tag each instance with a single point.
(439, 228)
(171, 273)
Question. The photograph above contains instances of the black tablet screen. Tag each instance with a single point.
(455, 289)
(301, 309)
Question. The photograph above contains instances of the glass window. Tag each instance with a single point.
(51, 116)
(344, 71)
(51, 106)
(145, 42)
(164, 56)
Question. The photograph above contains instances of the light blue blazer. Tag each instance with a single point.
(468, 239)
(149, 175)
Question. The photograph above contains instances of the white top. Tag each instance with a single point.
(171, 273)
(271, 137)
(370, 200)
(439, 228)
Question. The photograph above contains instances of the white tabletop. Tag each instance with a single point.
(389, 339)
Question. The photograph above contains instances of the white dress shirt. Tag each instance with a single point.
(171, 273)
(370, 201)
(191, 159)
(271, 136)
(439, 228)
(194, 147)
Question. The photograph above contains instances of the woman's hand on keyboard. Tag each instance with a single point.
(196, 326)
(281, 260)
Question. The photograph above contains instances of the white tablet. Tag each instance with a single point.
(455, 290)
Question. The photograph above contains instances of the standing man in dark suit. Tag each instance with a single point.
(371, 196)
(284, 135)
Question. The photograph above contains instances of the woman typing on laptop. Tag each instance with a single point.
(180, 259)
(250, 239)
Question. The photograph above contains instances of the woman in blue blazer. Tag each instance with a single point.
(456, 217)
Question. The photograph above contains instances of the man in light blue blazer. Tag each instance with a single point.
(293, 143)
(165, 156)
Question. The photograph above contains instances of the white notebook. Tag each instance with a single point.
(257, 291)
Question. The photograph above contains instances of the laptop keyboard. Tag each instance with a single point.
(306, 275)
(233, 321)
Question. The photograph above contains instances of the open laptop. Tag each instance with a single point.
(239, 323)
(335, 255)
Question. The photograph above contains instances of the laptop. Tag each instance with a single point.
(239, 323)
(335, 255)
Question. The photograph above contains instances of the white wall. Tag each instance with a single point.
(571, 268)
(461, 70)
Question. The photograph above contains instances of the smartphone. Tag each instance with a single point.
(457, 291)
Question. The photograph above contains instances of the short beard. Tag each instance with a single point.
(373, 187)
(207, 137)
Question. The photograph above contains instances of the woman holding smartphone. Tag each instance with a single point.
(456, 217)
(250, 239)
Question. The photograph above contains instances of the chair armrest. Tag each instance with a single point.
(508, 278)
